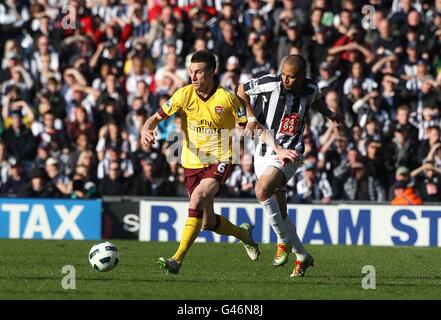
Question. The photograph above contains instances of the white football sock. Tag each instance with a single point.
(272, 210)
(297, 246)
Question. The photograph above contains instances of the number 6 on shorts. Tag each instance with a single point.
(221, 168)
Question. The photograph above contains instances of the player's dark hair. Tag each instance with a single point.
(205, 56)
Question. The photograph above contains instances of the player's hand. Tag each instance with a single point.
(286, 155)
(337, 117)
(148, 137)
(254, 129)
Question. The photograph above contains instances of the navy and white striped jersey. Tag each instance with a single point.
(280, 111)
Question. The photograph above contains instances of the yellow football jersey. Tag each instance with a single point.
(206, 124)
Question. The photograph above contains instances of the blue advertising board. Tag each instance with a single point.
(383, 225)
(50, 219)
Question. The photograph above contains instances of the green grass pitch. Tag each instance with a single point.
(31, 269)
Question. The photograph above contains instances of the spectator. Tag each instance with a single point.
(14, 181)
(134, 122)
(179, 183)
(44, 51)
(357, 76)
(435, 155)
(312, 187)
(229, 45)
(148, 99)
(403, 119)
(242, 181)
(369, 107)
(81, 125)
(19, 78)
(402, 174)
(13, 104)
(255, 9)
(114, 154)
(55, 99)
(428, 181)
(349, 49)
(261, 63)
(19, 140)
(43, 153)
(113, 184)
(112, 90)
(318, 49)
(170, 77)
(404, 195)
(231, 78)
(4, 164)
(138, 73)
(56, 178)
(375, 163)
(328, 79)
(111, 135)
(166, 44)
(433, 138)
(349, 100)
(391, 94)
(88, 163)
(386, 44)
(332, 154)
(361, 186)
(149, 183)
(357, 139)
(38, 187)
(82, 189)
(403, 151)
(290, 37)
(110, 111)
(46, 130)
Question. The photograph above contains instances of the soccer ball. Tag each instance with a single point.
(103, 256)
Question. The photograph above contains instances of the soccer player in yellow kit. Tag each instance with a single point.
(206, 111)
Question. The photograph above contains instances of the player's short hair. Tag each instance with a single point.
(297, 61)
(204, 56)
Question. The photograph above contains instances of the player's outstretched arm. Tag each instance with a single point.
(148, 133)
(320, 106)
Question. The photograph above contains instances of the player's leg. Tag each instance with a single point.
(199, 200)
(271, 179)
(192, 225)
(218, 223)
(297, 246)
(303, 258)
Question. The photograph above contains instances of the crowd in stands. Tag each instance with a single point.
(79, 78)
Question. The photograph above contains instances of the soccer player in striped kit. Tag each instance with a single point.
(278, 117)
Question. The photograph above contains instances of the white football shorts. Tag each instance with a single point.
(288, 169)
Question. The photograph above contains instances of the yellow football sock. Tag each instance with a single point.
(191, 230)
(225, 227)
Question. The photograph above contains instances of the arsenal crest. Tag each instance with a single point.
(218, 109)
